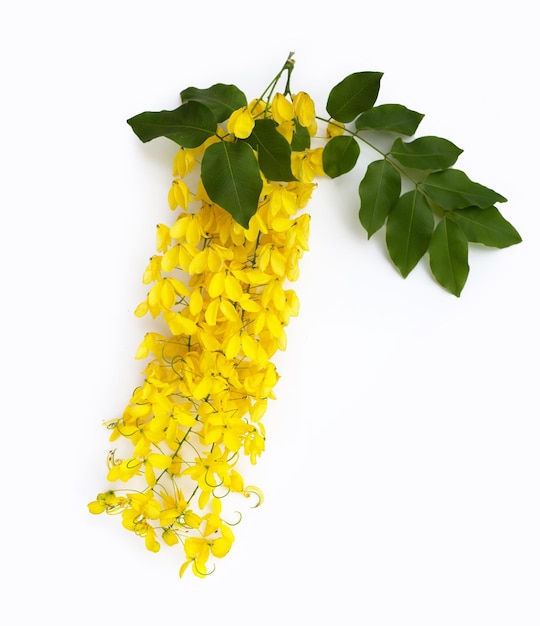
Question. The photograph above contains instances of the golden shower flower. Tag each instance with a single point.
(241, 123)
(304, 109)
(282, 109)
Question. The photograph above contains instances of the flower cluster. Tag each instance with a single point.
(222, 293)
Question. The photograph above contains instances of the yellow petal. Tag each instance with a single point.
(192, 520)
(210, 315)
(166, 294)
(183, 568)
(150, 541)
(216, 285)
(170, 259)
(237, 482)
(142, 309)
(258, 410)
(96, 507)
(212, 436)
(253, 277)
(178, 229)
(193, 232)
(232, 442)
(248, 304)
(220, 547)
(274, 325)
(160, 461)
(281, 224)
(228, 310)
(232, 347)
(203, 388)
(181, 325)
(195, 302)
(210, 342)
(233, 289)
(149, 475)
(170, 537)
(179, 287)
(198, 567)
(250, 347)
(199, 263)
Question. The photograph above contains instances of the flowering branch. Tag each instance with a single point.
(220, 282)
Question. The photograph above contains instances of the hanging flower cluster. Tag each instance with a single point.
(220, 281)
(222, 291)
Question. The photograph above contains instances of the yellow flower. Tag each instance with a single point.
(210, 470)
(302, 167)
(197, 552)
(109, 502)
(241, 123)
(304, 109)
(315, 159)
(227, 429)
(257, 108)
(125, 470)
(153, 270)
(287, 130)
(170, 537)
(254, 446)
(282, 109)
(150, 539)
(335, 129)
(179, 194)
(145, 504)
(163, 237)
(183, 163)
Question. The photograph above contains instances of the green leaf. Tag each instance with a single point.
(453, 189)
(353, 95)
(189, 125)
(408, 230)
(390, 117)
(231, 176)
(486, 226)
(273, 150)
(340, 155)
(426, 153)
(378, 190)
(448, 256)
(219, 98)
(301, 139)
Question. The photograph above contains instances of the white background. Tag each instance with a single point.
(402, 468)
